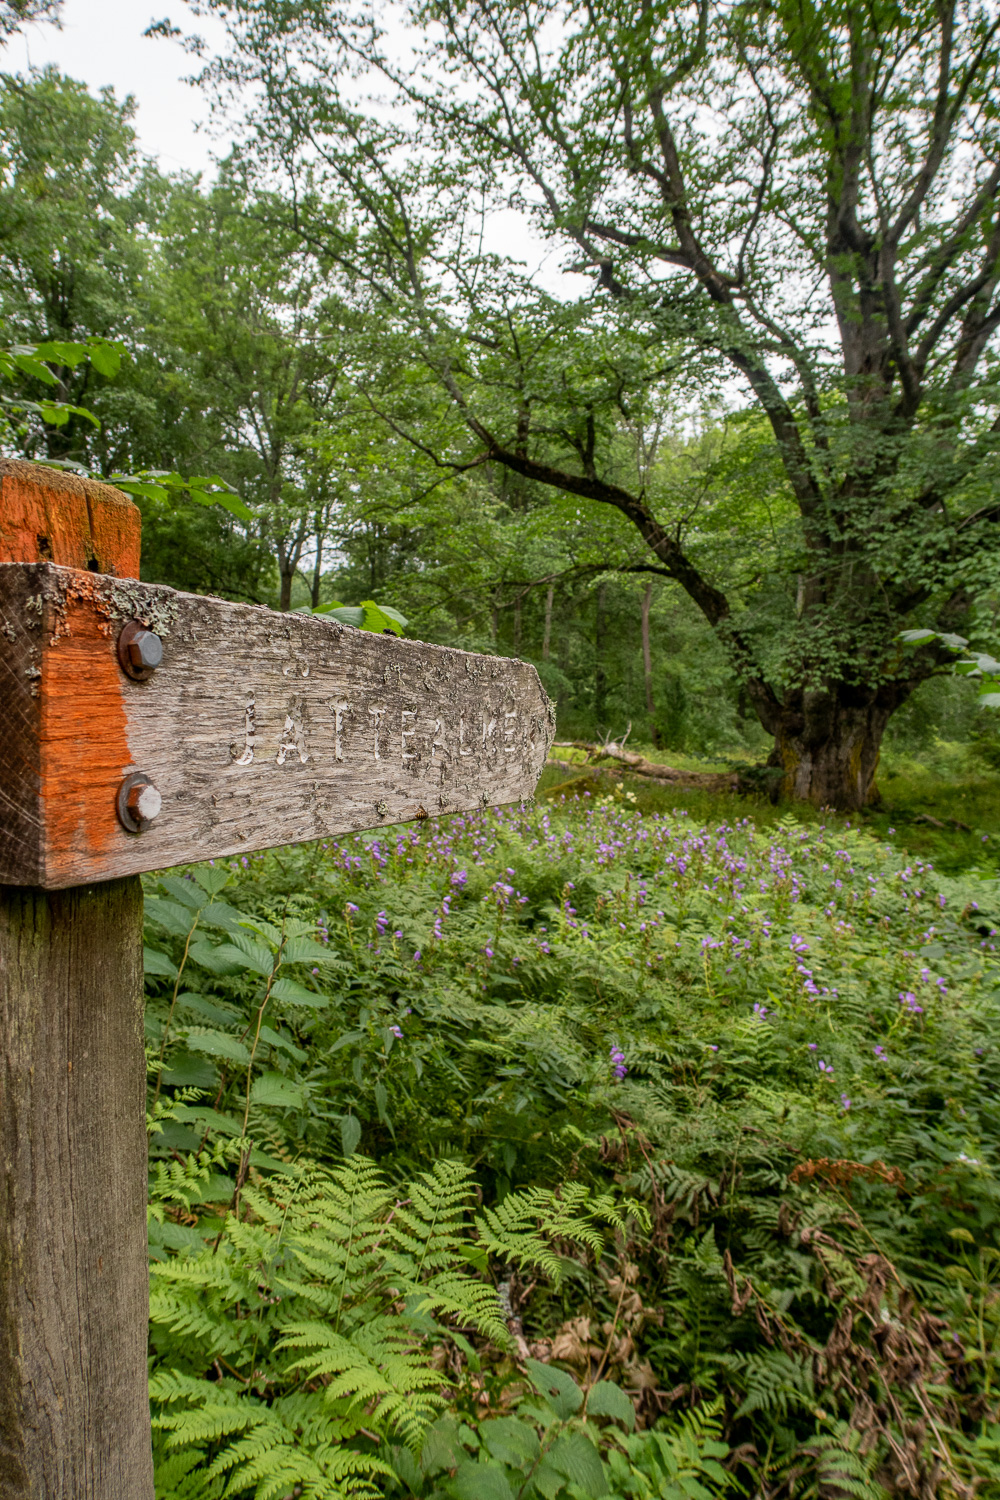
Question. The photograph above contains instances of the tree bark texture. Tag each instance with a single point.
(74, 1304)
(828, 748)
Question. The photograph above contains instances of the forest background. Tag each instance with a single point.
(598, 481)
(684, 1106)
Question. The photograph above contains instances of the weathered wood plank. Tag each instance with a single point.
(79, 523)
(74, 1414)
(257, 729)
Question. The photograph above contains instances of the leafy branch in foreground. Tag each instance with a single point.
(978, 664)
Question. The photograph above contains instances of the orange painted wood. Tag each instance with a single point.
(258, 729)
(47, 515)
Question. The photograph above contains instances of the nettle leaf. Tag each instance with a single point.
(475, 1481)
(609, 1400)
(303, 950)
(277, 1091)
(511, 1442)
(220, 914)
(350, 1134)
(557, 1389)
(208, 956)
(217, 1044)
(185, 891)
(274, 1039)
(575, 1456)
(212, 878)
(169, 914)
(989, 700)
(294, 993)
(346, 1040)
(155, 962)
(209, 1010)
(243, 950)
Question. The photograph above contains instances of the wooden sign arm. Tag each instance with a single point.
(146, 728)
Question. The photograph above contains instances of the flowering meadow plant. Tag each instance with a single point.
(781, 1041)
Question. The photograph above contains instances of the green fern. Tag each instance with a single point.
(307, 1332)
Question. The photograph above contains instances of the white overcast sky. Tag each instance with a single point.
(101, 42)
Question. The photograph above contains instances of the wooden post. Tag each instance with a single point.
(74, 1301)
(144, 728)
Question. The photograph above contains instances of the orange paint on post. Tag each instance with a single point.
(49, 516)
(83, 737)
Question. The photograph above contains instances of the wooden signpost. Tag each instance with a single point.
(144, 728)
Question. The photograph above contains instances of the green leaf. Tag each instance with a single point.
(211, 878)
(217, 1044)
(609, 1400)
(169, 914)
(511, 1442)
(475, 1481)
(209, 1010)
(210, 957)
(346, 1040)
(350, 1133)
(381, 1101)
(575, 1456)
(184, 890)
(221, 914)
(297, 994)
(303, 950)
(558, 1389)
(232, 503)
(914, 637)
(155, 962)
(989, 700)
(106, 358)
(242, 950)
(277, 1091)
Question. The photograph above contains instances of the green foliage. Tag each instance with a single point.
(317, 1305)
(559, 1277)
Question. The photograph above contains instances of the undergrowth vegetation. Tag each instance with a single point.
(576, 1150)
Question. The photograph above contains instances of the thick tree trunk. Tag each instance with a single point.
(827, 745)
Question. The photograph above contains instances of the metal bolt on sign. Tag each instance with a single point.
(266, 729)
(138, 802)
(140, 651)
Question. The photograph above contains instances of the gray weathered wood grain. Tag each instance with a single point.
(258, 729)
(74, 1304)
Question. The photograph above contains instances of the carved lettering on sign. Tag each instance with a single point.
(509, 720)
(377, 714)
(413, 742)
(293, 741)
(250, 735)
(406, 733)
(339, 707)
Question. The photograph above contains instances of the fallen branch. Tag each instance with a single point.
(716, 781)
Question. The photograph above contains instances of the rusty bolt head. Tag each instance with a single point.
(139, 802)
(140, 651)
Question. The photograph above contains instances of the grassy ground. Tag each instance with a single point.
(946, 787)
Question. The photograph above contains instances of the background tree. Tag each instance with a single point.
(806, 199)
